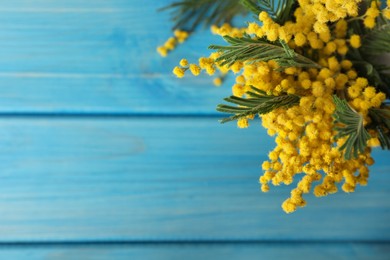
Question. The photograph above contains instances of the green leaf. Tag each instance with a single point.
(377, 41)
(254, 50)
(189, 14)
(279, 10)
(259, 103)
(381, 123)
(372, 59)
(349, 123)
(251, 6)
(376, 72)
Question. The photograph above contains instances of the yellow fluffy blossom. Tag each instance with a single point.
(369, 22)
(300, 39)
(242, 123)
(195, 69)
(305, 147)
(183, 63)
(162, 51)
(355, 41)
(171, 43)
(179, 72)
(181, 36)
(217, 82)
(386, 13)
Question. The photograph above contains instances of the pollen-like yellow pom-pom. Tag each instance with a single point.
(320, 27)
(242, 123)
(346, 64)
(288, 206)
(352, 74)
(372, 11)
(333, 64)
(355, 41)
(179, 72)
(263, 16)
(170, 44)
(183, 62)
(162, 51)
(238, 90)
(181, 36)
(273, 33)
(306, 84)
(369, 22)
(217, 82)
(264, 187)
(386, 13)
(273, 156)
(318, 89)
(300, 39)
(195, 69)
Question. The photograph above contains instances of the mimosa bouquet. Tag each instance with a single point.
(317, 74)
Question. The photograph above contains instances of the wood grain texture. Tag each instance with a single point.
(163, 178)
(105, 155)
(97, 57)
(321, 251)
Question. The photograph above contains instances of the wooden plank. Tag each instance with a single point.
(159, 178)
(97, 56)
(319, 251)
(158, 96)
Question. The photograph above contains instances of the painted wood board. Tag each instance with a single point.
(320, 251)
(156, 178)
(78, 186)
(98, 57)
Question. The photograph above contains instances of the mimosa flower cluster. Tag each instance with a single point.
(178, 38)
(308, 148)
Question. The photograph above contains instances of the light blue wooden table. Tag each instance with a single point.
(105, 155)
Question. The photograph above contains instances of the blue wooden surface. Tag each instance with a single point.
(106, 155)
(318, 251)
(95, 57)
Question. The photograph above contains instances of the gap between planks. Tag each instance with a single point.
(106, 115)
(56, 243)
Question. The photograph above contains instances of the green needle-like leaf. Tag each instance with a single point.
(372, 59)
(189, 14)
(254, 50)
(377, 41)
(251, 6)
(381, 123)
(279, 10)
(349, 124)
(259, 103)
